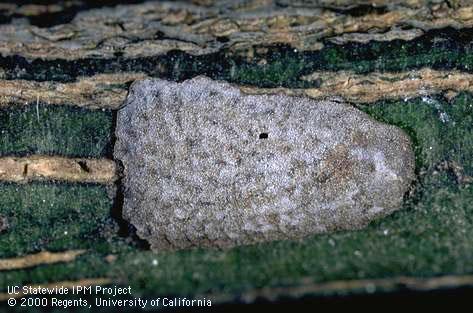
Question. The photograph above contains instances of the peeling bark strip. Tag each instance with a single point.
(154, 28)
(22, 170)
(99, 91)
(40, 258)
(410, 283)
(50, 14)
(109, 90)
(373, 87)
(67, 284)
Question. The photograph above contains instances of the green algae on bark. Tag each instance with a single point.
(61, 130)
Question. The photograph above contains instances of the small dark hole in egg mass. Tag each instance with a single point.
(263, 136)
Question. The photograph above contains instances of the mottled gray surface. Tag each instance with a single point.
(197, 172)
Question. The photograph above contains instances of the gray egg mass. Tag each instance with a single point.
(206, 165)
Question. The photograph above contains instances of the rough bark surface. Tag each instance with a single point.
(201, 27)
